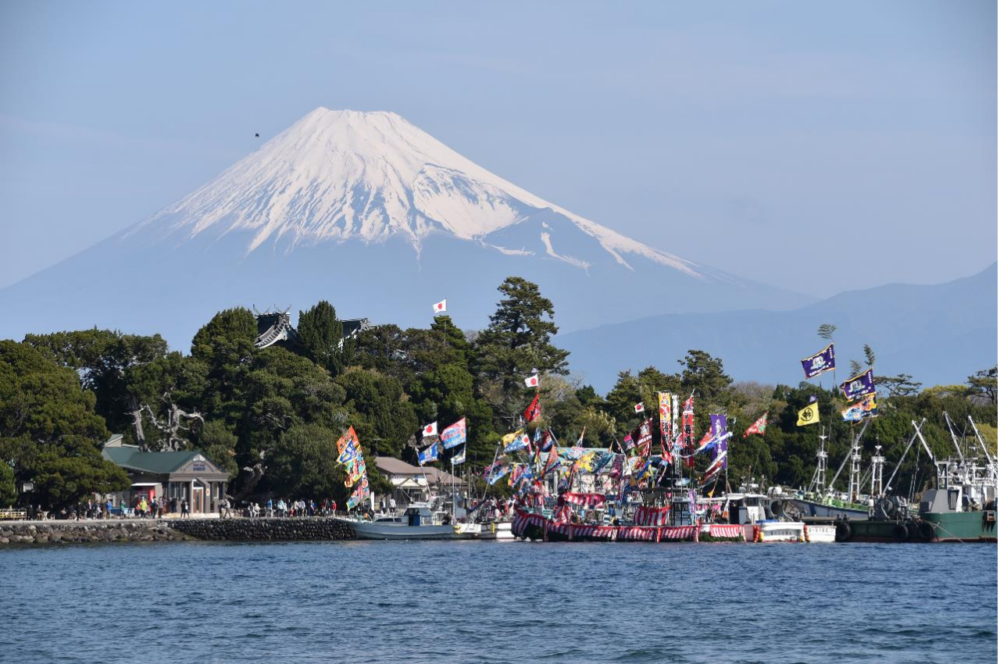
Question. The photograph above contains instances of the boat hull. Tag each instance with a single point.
(978, 526)
(497, 532)
(821, 534)
(779, 531)
(369, 530)
(809, 508)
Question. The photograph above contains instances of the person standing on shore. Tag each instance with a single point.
(184, 508)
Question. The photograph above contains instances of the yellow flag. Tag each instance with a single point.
(809, 415)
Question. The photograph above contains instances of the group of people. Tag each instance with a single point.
(291, 508)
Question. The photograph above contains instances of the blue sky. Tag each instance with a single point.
(820, 147)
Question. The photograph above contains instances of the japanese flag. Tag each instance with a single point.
(431, 429)
(639, 408)
(441, 306)
(531, 381)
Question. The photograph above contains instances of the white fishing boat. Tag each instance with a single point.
(752, 511)
(418, 522)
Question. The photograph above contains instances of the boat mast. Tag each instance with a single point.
(986, 451)
(818, 483)
(954, 439)
(854, 446)
(878, 461)
(905, 452)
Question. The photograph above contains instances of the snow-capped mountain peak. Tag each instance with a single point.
(341, 175)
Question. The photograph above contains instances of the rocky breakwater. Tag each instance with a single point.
(265, 530)
(55, 532)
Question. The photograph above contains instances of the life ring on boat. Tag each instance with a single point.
(925, 530)
(900, 532)
(843, 533)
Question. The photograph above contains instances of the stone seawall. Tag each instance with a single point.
(172, 530)
(264, 530)
(56, 532)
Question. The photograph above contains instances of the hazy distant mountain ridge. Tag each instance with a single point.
(938, 333)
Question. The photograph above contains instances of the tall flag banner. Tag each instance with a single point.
(859, 386)
(721, 449)
(430, 429)
(459, 458)
(665, 414)
(430, 454)
(808, 415)
(441, 307)
(676, 418)
(639, 407)
(687, 422)
(353, 458)
(454, 435)
(822, 361)
(719, 425)
(533, 411)
(859, 411)
(531, 381)
(758, 427)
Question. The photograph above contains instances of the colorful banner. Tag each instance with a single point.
(454, 435)
(859, 411)
(816, 364)
(666, 412)
(459, 458)
(859, 386)
(758, 427)
(430, 454)
(519, 442)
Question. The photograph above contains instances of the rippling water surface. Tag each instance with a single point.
(488, 602)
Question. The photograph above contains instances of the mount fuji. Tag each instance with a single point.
(369, 212)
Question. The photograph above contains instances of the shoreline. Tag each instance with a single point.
(240, 529)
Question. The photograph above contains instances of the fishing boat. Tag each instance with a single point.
(752, 511)
(418, 522)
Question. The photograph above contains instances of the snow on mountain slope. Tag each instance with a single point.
(374, 215)
(338, 175)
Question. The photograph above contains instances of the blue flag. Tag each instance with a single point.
(430, 454)
(859, 386)
(816, 364)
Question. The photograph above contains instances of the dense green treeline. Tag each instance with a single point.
(272, 416)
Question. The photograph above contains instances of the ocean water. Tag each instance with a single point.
(499, 602)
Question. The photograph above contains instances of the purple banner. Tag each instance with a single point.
(816, 364)
(860, 385)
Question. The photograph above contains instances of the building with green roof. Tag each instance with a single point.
(171, 477)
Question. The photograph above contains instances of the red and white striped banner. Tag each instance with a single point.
(651, 516)
(726, 531)
(637, 534)
(677, 533)
(584, 499)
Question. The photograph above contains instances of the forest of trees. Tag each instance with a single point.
(272, 417)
